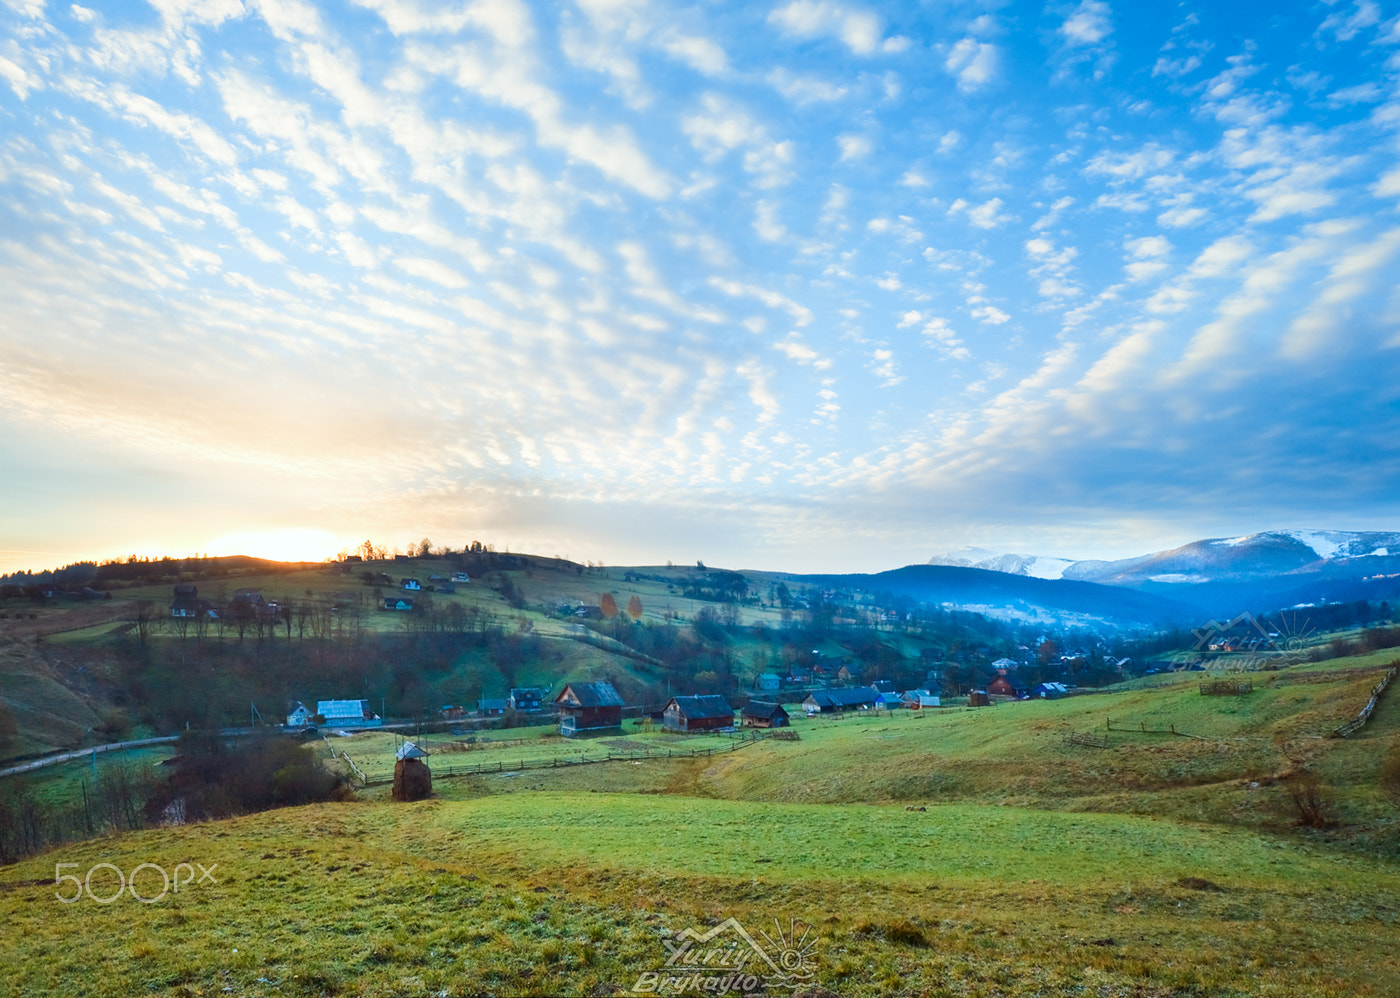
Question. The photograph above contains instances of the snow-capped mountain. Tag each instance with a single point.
(1255, 556)
(1263, 571)
(1035, 566)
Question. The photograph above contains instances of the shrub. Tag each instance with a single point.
(1305, 794)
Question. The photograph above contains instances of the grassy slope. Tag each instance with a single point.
(533, 893)
(1019, 876)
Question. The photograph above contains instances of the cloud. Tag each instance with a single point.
(858, 29)
(1090, 23)
(854, 147)
(973, 64)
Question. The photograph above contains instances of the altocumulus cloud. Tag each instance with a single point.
(642, 281)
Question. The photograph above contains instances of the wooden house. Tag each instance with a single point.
(411, 585)
(398, 603)
(461, 577)
(452, 712)
(840, 701)
(698, 713)
(525, 698)
(185, 605)
(979, 698)
(768, 682)
(1004, 686)
(761, 714)
(348, 714)
(588, 708)
(490, 707)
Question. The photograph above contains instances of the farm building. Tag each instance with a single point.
(761, 714)
(185, 605)
(525, 698)
(336, 713)
(916, 699)
(883, 686)
(979, 698)
(588, 707)
(699, 713)
(450, 712)
(1050, 691)
(839, 701)
(491, 707)
(768, 682)
(1005, 686)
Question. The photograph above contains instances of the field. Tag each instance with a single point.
(1162, 865)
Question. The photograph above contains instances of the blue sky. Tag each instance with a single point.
(810, 285)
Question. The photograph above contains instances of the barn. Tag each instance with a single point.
(761, 714)
(840, 701)
(588, 708)
(698, 713)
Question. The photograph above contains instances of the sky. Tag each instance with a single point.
(804, 286)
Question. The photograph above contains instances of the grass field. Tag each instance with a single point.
(543, 893)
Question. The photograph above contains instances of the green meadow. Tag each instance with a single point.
(944, 852)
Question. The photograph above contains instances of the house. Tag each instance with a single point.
(185, 605)
(768, 682)
(1002, 664)
(347, 714)
(762, 714)
(397, 603)
(462, 577)
(300, 716)
(411, 585)
(1050, 691)
(449, 712)
(840, 701)
(1004, 686)
(888, 701)
(491, 707)
(882, 686)
(525, 698)
(588, 707)
(918, 699)
(446, 587)
(697, 713)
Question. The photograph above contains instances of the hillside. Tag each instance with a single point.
(1083, 603)
(1162, 865)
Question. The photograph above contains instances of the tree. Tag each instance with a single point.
(608, 605)
(634, 607)
(425, 548)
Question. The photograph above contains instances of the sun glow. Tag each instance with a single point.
(285, 544)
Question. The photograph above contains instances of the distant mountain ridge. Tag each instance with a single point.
(1265, 571)
(1254, 556)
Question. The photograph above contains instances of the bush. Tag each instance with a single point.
(1309, 804)
(218, 778)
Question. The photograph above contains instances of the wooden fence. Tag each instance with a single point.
(1359, 721)
(1091, 740)
(563, 762)
(1226, 688)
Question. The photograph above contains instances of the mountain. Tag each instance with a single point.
(1019, 597)
(1036, 566)
(1225, 575)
